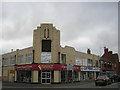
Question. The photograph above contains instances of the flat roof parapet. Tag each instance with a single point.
(46, 24)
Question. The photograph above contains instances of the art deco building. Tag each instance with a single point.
(47, 62)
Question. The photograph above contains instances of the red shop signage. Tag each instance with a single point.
(76, 68)
(42, 67)
(23, 67)
(46, 67)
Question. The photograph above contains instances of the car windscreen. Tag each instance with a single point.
(101, 77)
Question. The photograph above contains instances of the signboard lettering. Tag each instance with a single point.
(47, 67)
(90, 69)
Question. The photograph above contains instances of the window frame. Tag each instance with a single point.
(20, 60)
(29, 58)
(5, 60)
(63, 58)
(11, 59)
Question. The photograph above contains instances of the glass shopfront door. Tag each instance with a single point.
(45, 77)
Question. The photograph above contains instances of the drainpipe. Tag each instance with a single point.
(33, 56)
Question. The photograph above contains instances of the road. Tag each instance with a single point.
(89, 84)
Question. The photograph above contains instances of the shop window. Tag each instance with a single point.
(23, 76)
(63, 58)
(83, 75)
(12, 60)
(90, 75)
(20, 60)
(69, 76)
(46, 45)
(75, 75)
(29, 58)
(63, 76)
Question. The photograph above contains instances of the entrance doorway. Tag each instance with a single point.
(45, 77)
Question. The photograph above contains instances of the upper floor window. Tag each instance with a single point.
(78, 61)
(46, 45)
(84, 62)
(12, 60)
(48, 33)
(29, 58)
(20, 59)
(44, 33)
(90, 62)
(5, 61)
(63, 58)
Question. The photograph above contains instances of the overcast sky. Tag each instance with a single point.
(82, 25)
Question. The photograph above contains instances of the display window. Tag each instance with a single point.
(24, 76)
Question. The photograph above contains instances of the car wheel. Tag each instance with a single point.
(110, 82)
(113, 80)
(119, 80)
(107, 83)
(96, 84)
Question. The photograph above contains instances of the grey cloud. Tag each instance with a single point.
(96, 21)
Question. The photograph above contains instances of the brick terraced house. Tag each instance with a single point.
(109, 62)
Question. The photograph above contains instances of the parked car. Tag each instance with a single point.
(114, 77)
(118, 78)
(102, 80)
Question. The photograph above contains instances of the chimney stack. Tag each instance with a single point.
(105, 50)
(11, 50)
(88, 51)
(110, 52)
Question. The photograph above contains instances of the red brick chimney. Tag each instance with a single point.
(88, 51)
(105, 50)
(110, 52)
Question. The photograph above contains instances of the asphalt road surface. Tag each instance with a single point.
(92, 85)
(89, 84)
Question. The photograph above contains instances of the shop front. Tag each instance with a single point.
(88, 73)
(70, 73)
(24, 76)
(46, 73)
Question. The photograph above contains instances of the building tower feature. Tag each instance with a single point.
(46, 44)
